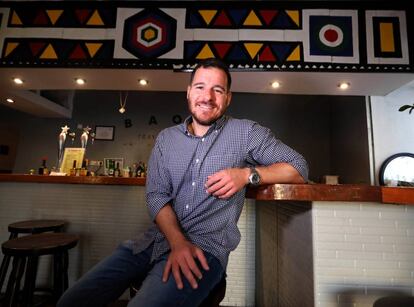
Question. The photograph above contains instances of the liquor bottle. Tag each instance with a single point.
(111, 167)
(84, 169)
(117, 171)
(72, 171)
(43, 170)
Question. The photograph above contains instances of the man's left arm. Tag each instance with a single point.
(226, 183)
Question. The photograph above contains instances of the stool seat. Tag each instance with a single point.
(39, 244)
(36, 226)
(25, 252)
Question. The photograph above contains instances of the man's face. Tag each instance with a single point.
(207, 95)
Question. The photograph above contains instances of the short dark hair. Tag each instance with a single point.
(216, 63)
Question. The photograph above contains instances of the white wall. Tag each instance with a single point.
(393, 131)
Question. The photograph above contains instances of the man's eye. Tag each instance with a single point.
(199, 87)
(219, 91)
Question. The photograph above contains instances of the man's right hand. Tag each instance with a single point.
(182, 260)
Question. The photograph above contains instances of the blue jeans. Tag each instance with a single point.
(112, 276)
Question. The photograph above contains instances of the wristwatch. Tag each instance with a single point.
(254, 177)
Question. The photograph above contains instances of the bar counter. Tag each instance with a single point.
(299, 192)
(301, 244)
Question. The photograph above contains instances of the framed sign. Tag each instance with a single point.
(105, 133)
(70, 155)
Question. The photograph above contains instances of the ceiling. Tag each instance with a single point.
(301, 83)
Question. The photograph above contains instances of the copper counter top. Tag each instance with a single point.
(300, 192)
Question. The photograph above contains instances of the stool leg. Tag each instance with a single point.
(5, 264)
(13, 285)
(30, 281)
(57, 275)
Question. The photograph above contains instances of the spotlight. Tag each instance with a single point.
(143, 82)
(344, 85)
(9, 100)
(275, 84)
(18, 81)
(80, 81)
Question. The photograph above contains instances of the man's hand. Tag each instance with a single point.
(226, 183)
(182, 260)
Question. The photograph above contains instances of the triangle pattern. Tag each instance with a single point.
(35, 47)
(194, 20)
(222, 20)
(281, 50)
(238, 15)
(49, 53)
(268, 15)
(207, 15)
(9, 48)
(15, 20)
(222, 49)
(78, 53)
(54, 15)
(237, 53)
(295, 55)
(252, 20)
(294, 15)
(205, 53)
(82, 15)
(93, 48)
(253, 48)
(95, 19)
(191, 48)
(267, 55)
(41, 18)
(283, 21)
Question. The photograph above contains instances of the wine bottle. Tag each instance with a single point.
(72, 171)
(117, 171)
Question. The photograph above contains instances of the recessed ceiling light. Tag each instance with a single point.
(9, 100)
(275, 84)
(344, 85)
(18, 81)
(80, 81)
(143, 82)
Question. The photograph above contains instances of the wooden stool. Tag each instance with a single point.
(212, 300)
(28, 227)
(25, 252)
(395, 301)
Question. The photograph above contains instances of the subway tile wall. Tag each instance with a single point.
(362, 251)
(104, 216)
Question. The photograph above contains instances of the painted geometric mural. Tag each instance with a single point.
(175, 35)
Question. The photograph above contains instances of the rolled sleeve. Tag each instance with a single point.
(265, 149)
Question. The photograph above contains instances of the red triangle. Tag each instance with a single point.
(268, 15)
(36, 48)
(222, 49)
(222, 20)
(78, 53)
(267, 55)
(41, 19)
(82, 15)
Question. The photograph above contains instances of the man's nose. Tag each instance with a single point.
(208, 94)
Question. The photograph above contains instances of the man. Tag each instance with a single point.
(197, 174)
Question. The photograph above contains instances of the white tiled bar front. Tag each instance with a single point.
(362, 251)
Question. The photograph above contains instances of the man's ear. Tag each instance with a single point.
(188, 91)
(229, 95)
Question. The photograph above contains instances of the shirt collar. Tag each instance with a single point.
(218, 124)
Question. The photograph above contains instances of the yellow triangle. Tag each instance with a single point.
(205, 53)
(93, 48)
(54, 15)
(253, 48)
(295, 55)
(95, 19)
(252, 20)
(294, 15)
(49, 53)
(10, 47)
(207, 15)
(15, 19)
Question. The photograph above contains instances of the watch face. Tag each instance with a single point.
(254, 178)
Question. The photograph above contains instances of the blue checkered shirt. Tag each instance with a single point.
(177, 171)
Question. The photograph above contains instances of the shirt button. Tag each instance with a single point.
(197, 160)
(202, 140)
(193, 183)
(186, 206)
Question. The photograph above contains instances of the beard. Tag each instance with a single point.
(208, 121)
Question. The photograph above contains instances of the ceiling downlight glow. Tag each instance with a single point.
(143, 82)
(9, 100)
(18, 81)
(275, 84)
(344, 85)
(80, 81)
